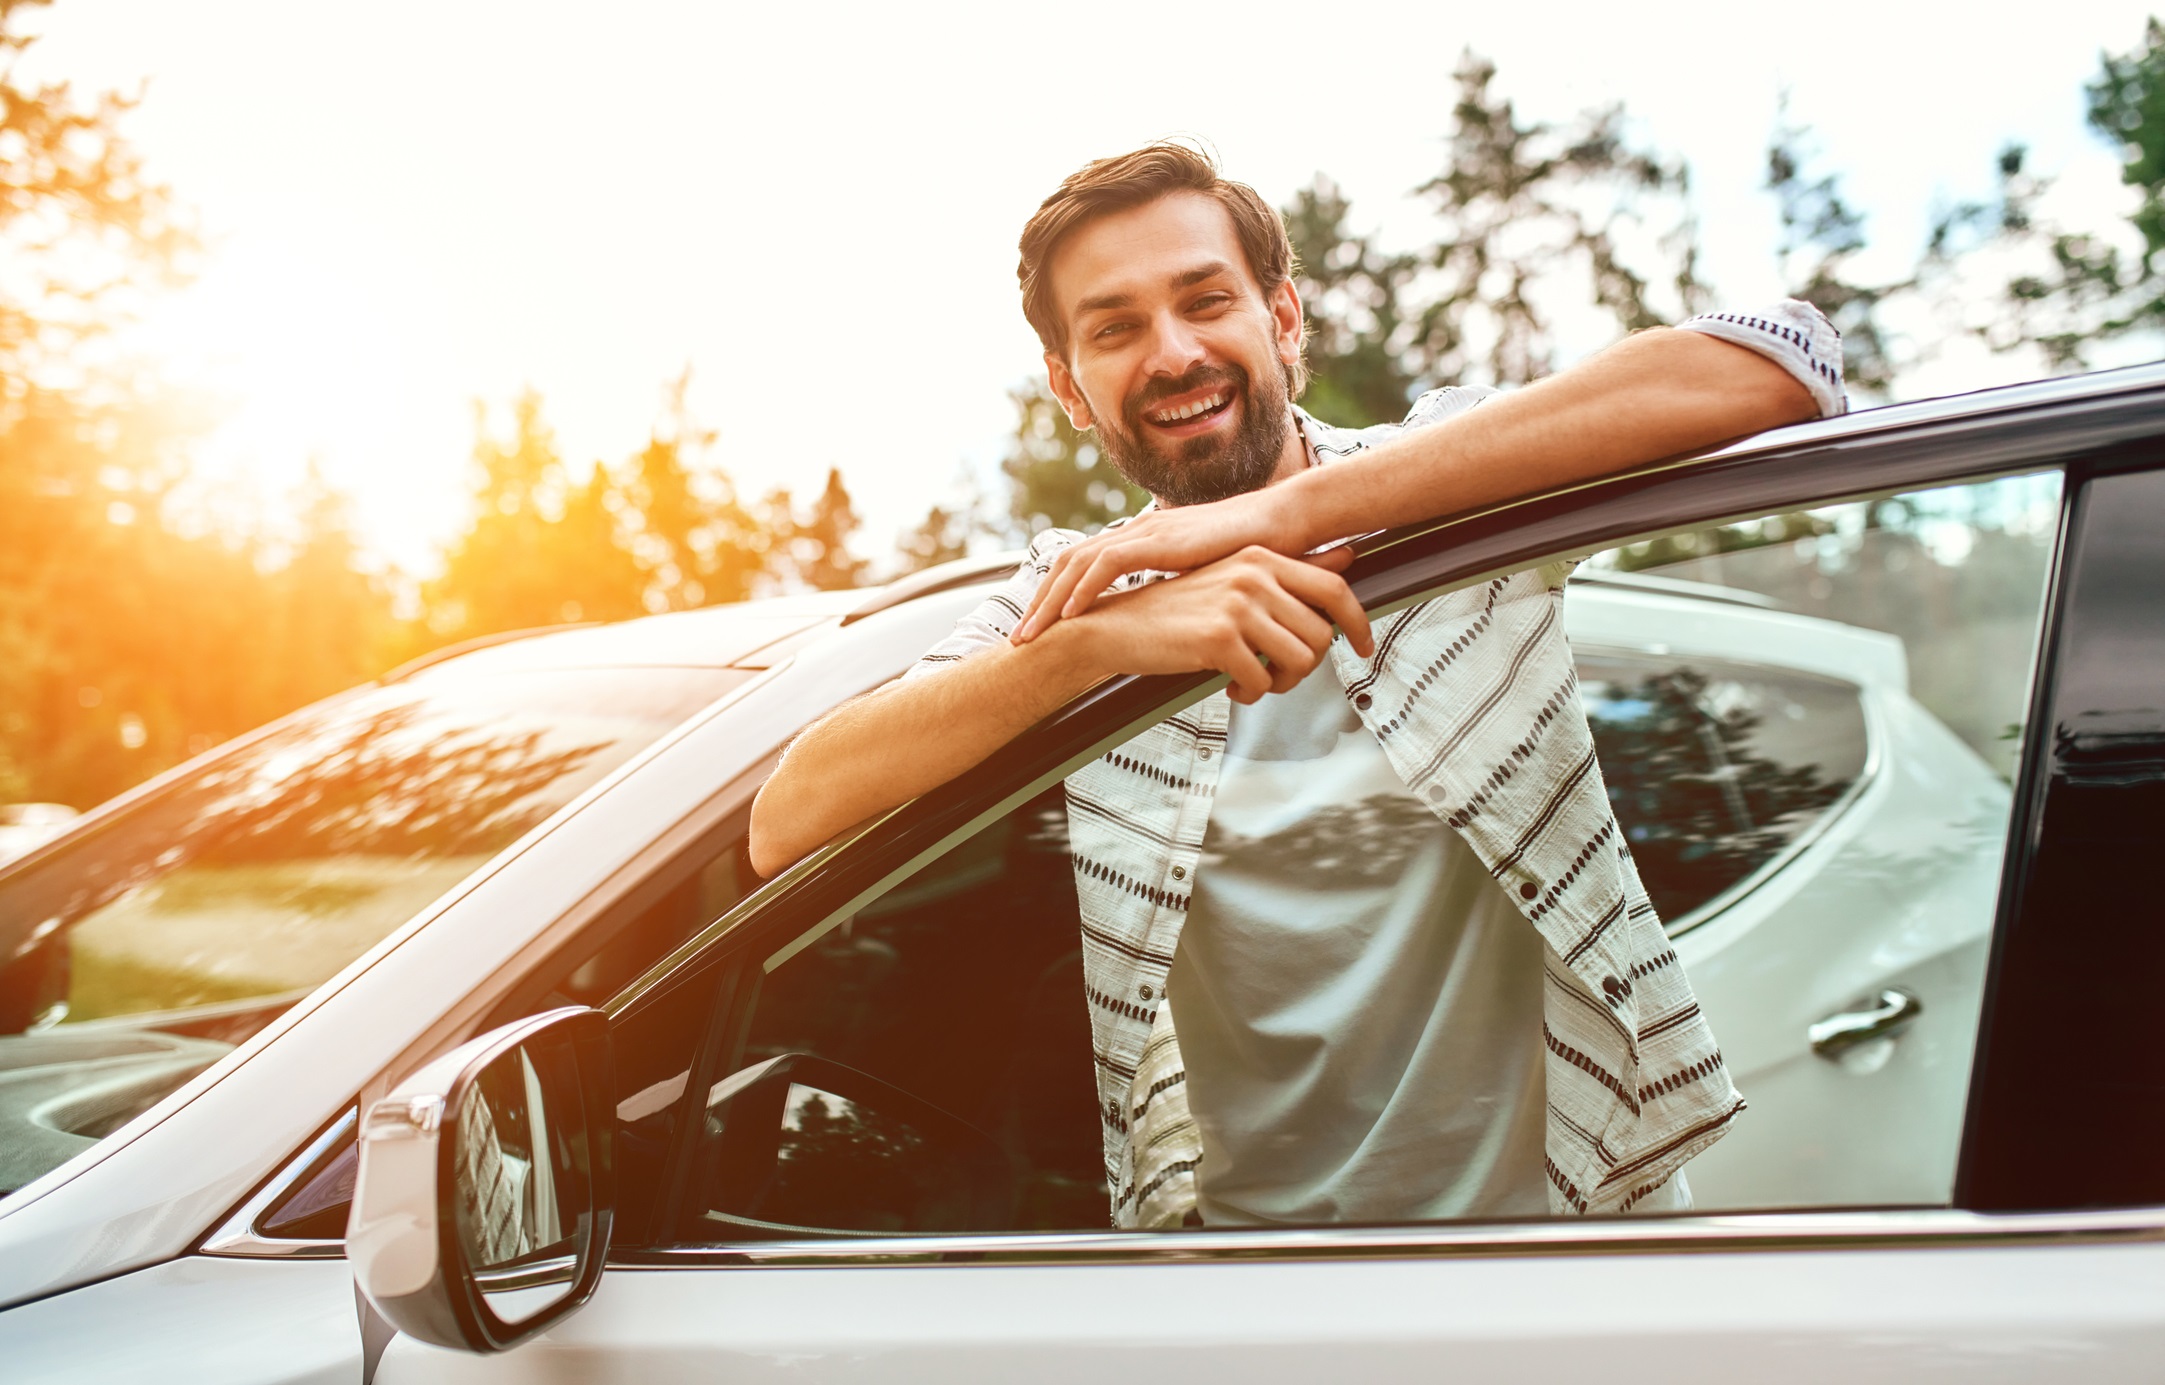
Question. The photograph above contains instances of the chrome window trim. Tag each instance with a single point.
(237, 1235)
(1759, 1232)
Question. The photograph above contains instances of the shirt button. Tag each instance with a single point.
(1529, 890)
(1180, 872)
(1146, 992)
(1364, 702)
(1202, 754)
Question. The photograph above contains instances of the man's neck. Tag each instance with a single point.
(1296, 456)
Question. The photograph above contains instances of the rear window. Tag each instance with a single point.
(1714, 768)
(137, 956)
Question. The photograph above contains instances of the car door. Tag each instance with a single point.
(2041, 1258)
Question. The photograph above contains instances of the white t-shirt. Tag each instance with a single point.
(1358, 1000)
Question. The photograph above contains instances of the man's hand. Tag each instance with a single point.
(872, 753)
(1176, 540)
(1229, 616)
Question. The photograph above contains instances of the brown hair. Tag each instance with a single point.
(1131, 180)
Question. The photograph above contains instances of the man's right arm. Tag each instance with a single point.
(914, 734)
(881, 749)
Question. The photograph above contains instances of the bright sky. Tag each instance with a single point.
(414, 206)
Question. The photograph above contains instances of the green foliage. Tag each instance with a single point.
(1362, 366)
(1058, 478)
(815, 543)
(129, 638)
(80, 223)
(663, 532)
(1529, 216)
(1521, 205)
(1821, 235)
(543, 548)
(695, 541)
(2127, 107)
(942, 536)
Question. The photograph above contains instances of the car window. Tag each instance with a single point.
(140, 954)
(1716, 767)
(1359, 1015)
(962, 987)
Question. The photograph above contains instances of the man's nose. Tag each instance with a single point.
(1175, 347)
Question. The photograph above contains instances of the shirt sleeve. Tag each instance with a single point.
(1795, 336)
(995, 618)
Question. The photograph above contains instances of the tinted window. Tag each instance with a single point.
(1712, 767)
(145, 951)
(962, 987)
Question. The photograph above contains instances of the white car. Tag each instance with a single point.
(482, 941)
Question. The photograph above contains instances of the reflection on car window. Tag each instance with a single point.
(1713, 767)
(213, 905)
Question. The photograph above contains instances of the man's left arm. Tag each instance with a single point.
(1659, 393)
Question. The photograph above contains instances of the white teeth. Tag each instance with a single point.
(1191, 410)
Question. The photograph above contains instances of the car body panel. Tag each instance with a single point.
(1996, 1315)
(199, 1318)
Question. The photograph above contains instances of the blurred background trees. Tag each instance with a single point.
(138, 627)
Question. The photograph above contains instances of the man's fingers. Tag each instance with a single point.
(1239, 663)
(1301, 618)
(1290, 657)
(1107, 566)
(1332, 559)
(1051, 594)
(1327, 592)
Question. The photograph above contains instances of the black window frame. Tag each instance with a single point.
(2055, 1118)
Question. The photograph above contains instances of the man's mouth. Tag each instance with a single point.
(1192, 415)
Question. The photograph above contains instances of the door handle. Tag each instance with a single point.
(1884, 1015)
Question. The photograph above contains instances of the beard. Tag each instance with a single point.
(1216, 466)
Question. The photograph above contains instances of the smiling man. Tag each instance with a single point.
(1415, 973)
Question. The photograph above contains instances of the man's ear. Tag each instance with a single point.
(1289, 329)
(1063, 389)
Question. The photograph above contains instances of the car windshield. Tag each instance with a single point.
(139, 954)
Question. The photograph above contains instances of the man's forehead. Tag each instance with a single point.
(1144, 250)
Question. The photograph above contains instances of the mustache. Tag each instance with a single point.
(1202, 377)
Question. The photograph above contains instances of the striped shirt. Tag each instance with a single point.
(1474, 698)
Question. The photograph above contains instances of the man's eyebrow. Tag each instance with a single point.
(1190, 278)
(1187, 278)
(1105, 301)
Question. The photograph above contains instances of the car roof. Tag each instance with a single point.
(709, 637)
(741, 634)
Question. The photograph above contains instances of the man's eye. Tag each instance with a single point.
(1211, 301)
(1110, 329)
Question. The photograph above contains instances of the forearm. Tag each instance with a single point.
(1659, 394)
(907, 738)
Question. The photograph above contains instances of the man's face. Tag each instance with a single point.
(1175, 354)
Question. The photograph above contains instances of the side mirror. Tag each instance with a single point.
(802, 1145)
(481, 1212)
